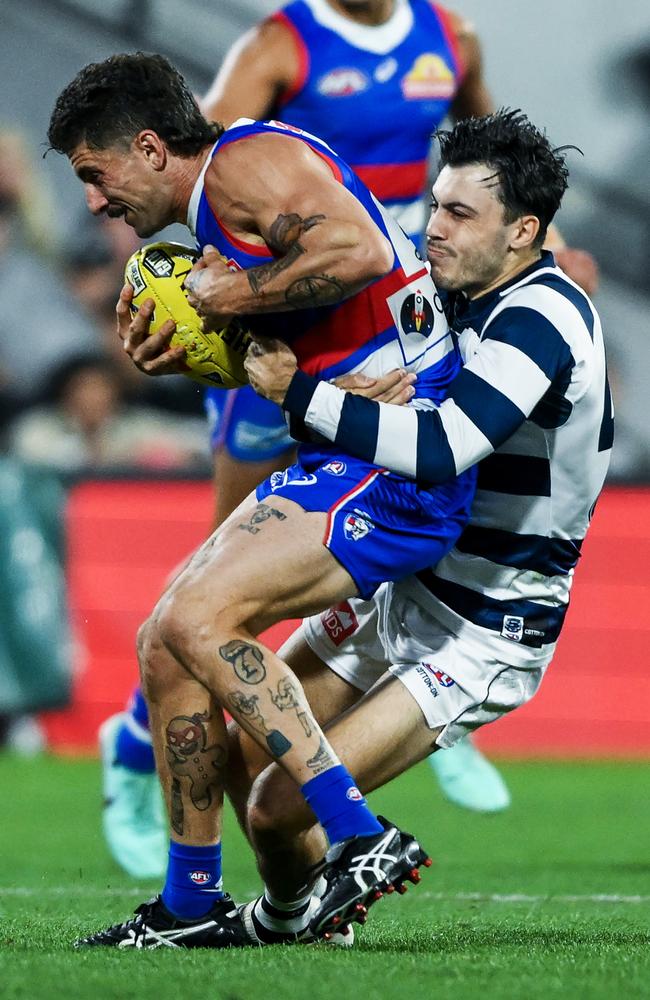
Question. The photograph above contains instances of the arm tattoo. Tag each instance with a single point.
(284, 237)
(286, 698)
(260, 276)
(188, 756)
(246, 660)
(261, 513)
(322, 759)
(247, 710)
(316, 290)
(287, 229)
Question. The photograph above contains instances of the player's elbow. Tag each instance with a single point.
(374, 256)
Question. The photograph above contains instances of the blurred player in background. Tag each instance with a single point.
(374, 78)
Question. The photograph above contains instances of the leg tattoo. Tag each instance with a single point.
(246, 660)
(261, 513)
(285, 698)
(188, 756)
(247, 707)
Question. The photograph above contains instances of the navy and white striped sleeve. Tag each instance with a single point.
(521, 355)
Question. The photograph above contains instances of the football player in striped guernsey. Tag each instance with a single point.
(468, 640)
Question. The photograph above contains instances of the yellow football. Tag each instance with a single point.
(157, 272)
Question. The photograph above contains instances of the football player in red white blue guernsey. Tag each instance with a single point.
(373, 78)
(312, 256)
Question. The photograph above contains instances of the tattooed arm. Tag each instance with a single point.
(274, 191)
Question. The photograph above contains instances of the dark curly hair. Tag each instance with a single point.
(109, 102)
(532, 175)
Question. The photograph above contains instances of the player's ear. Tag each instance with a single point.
(152, 148)
(524, 232)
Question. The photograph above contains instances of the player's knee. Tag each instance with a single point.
(150, 648)
(270, 816)
(188, 626)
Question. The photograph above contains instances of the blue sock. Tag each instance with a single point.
(339, 806)
(133, 747)
(193, 882)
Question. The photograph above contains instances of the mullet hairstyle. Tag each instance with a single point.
(110, 102)
(532, 176)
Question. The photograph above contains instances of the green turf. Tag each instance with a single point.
(510, 909)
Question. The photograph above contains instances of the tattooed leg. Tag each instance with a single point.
(189, 737)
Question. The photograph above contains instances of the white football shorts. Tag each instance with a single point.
(460, 682)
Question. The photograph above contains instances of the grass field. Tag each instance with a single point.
(550, 899)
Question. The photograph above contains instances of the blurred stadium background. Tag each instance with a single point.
(90, 528)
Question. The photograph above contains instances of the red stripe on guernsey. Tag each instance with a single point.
(304, 61)
(254, 249)
(448, 30)
(359, 488)
(344, 331)
(394, 180)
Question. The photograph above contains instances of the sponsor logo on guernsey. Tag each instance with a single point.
(416, 314)
(357, 525)
(425, 673)
(335, 468)
(343, 82)
(339, 622)
(200, 878)
(385, 70)
(512, 628)
(429, 76)
(279, 479)
(353, 794)
(444, 680)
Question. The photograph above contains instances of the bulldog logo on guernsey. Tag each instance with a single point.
(356, 526)
(200, 878)
(339, 622)
(343, 82)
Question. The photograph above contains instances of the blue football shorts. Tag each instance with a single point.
(380, 526)
(250, 428)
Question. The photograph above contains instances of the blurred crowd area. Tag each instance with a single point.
(72, 405)
(72, 401)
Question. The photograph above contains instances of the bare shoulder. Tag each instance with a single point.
(461, 26)
(260, 169)
(270, 47)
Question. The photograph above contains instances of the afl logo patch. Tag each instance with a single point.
(416, 315)
(343, 82)
(335, 468)
(353, 794)
(200, 878)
